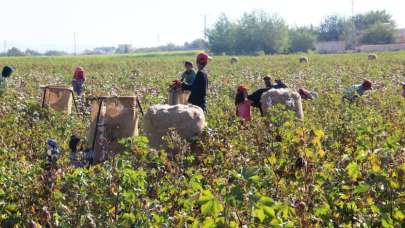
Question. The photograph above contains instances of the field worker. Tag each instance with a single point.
(307, 95)
(279, 85)
(403, 88)
(7, 71)
(188, 76)
(243, 104)
(199, 87)
(78, 80)
(268, 82)
(358, 90)
(255, 96)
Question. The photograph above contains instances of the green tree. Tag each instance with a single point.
(55, 53)
(196, 44)
(222, 36)
(258, 31)
(254, 32)
(334, 28)
(15, 52)
(30, 52)
(301, 39)
(367, 20)
(275, 34)
(379, 34)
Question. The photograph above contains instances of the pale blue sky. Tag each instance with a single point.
(50, 24)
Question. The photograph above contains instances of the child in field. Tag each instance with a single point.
(7, 71)
(243, 104)
(403, 88)
(199, 87)
(358, 90)
(78, 80)
(188, 76)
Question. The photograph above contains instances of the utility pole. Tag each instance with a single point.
(353, 27)
(74, 43)
(205, 26)
(5, 46)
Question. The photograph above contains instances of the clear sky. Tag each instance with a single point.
(50, 24)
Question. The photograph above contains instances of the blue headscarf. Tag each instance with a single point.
(7, 71)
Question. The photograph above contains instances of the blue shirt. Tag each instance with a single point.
(188, 77)
(3, 85)
(354, 91)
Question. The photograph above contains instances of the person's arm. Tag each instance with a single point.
(184, 86)
(204, 85)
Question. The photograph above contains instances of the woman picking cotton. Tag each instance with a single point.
(7, 71)
(357, 90)
(78, 80)
(243, 104)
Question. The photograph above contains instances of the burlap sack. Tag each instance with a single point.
(59, 98)
(178, 96)
(118, 118)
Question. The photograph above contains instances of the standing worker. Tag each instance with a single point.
(199, 87)
(403, 88)
(7, 71)
(78, 80)
(188, 76)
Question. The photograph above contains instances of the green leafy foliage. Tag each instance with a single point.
(343, 166)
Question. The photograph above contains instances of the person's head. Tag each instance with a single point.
(268, 82)
(7, 71)
(188, 65)
(241, 94)
(403, 84)
(79, 72)
(367, 85)
(202, 60)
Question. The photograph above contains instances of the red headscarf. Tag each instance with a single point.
(367, 84)
(203, 58)
(305, 94)
(79, 74)
(242, 89)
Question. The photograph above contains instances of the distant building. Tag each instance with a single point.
(340, 46)
(330, 47)
(104, 50)
(398, 46)
(401, 38)
(124, 49)
(381, 47)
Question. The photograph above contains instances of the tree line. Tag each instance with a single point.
(258, 32)
(29, 52)
(197, 44)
